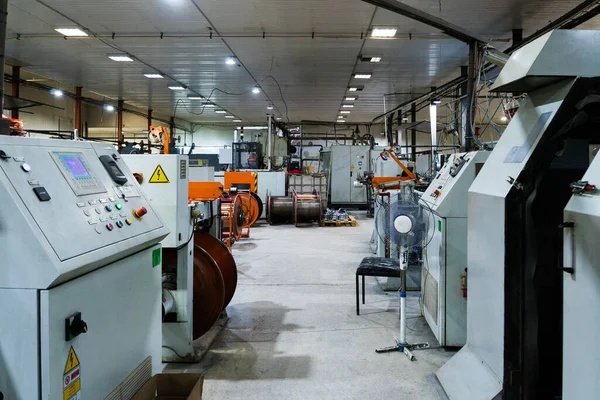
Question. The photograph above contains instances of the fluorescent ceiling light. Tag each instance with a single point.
(256, 90)
(121, 58)
(194, 97)
(344, 112)
(208, 105)
(341, 117)
(436, 101)
(57, 93)
(109, 107)
(503, 118)
(362, 76)
(154, 76)
(347, 105)
(221, 112)
(351, 98)
(237, 120)
(270, 107)
(72, 32)
(231, 61)
(352, 89)
(278, 118)
(375, 59)
(177, 88)
(229, 116)
(384, 32)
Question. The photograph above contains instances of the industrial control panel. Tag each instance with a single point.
(447, 194)
(68, 207)
(445, 266)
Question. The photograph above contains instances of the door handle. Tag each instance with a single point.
(569, 227)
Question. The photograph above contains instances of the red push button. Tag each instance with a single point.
(110, 227)
(140, 212)
(437, 193)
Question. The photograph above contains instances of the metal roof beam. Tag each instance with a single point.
(450, 29)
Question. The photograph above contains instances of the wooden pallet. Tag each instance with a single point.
(346, 222)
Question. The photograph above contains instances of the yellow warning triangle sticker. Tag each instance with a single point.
(72, 361)
(159, 176)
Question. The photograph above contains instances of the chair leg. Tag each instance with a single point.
(363, 287)
(357, 302)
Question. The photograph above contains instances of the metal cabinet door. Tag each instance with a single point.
(341, 179)
(121, 305)
(359, 163)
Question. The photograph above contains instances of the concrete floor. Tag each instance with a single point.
(293, 331)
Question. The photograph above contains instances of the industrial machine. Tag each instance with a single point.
(247, 155)
(444, 269)
(581, 280)
(517, 280)
(345, 165)
(79, 285)
(189, 265)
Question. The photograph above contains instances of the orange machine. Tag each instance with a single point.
(204, 191)
(243, 180)
(16, 126)
(161, 135)
(393, 182)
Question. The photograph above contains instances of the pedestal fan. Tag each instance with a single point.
(406, 227)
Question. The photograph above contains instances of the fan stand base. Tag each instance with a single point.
(405, 348)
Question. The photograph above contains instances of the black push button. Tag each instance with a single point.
(41, 193)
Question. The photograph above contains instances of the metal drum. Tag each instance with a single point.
(307, 208)
(280, 209)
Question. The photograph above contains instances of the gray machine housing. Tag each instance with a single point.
(515, 209)
(346, 163)
(64, 253)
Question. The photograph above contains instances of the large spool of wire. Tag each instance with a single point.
(280, 209)
(233, 219)
(209, 292)
(307, 208)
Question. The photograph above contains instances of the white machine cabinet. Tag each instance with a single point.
(80, 282)
(581, 319)
(445, 263)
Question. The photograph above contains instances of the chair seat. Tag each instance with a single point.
(379, 266)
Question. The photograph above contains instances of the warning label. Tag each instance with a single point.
(72, 377)
(159, 176)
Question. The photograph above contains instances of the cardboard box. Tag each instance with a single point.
(172, 387)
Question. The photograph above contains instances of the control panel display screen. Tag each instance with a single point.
(75, 166)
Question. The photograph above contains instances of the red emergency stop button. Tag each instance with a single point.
(110, 227)
(140, 212)
(437, 193)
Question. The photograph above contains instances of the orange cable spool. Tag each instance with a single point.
(233, 220)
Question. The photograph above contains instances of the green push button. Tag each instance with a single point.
(119, 206)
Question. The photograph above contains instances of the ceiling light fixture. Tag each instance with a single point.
(221, 112)
(503, 118)
(109, 107)
(209, 105)
(278, 118)
(177, 88)
(362, 76)
(375, 59)
(352, 89)
(344, 112)
(121, 58)
(71, 32)
(341, 117)
(57, 93)
(351, 98)
(435, 101)
(195, 97)
(231, 61)
(256, 90)
(384, 32)
(154, 76)
(347, 105)
(270, 107)
(229, 116)
(237, 120)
